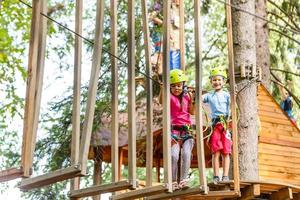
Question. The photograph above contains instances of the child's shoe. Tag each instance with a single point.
(184, 184)
(175, 186)
(225, 178)
(216, 180)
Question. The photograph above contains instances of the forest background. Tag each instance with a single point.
(53, 142)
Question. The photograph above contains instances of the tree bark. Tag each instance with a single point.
(262, 45)
(245, 54)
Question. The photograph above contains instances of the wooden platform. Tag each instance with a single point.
(224, 190)
(250, 190)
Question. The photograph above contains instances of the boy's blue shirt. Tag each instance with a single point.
(219, 103)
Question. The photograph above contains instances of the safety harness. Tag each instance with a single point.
(185, 133)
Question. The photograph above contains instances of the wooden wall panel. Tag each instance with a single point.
(279, 142)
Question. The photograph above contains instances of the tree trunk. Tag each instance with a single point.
(262, 45)
(245, 54)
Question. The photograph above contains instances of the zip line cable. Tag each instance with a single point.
(88, 40)
(91, 42)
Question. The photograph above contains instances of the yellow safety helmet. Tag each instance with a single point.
(218, 71)
(176, 76)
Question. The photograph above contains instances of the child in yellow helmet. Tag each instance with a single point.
(182, 106)
(220, 141)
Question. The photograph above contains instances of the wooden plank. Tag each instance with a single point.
(115, 102)
(277, 121)
(194, 193)
(199, 120)
(279, 175)
(271, 162)
(270, 109)
(236, 176)
(145, 192)
(166, 95)
(282, 194)
(283, 133)
(149, 137)
(10, 174)
(97, 176)
(279, 153)
(276, 135)
(280, 169)
(212, 195)
(91, 99)
(178, 193)
(278, 142)
(279, 148)
(181, 35)
(281, 179)
(100, 189)
(74, 185)
(279, 126)
(250, 192)
(289, 159)
(131, 95)
(50, 178)
(28, 144)
(40, 71)
(266, 103)
(272, 114)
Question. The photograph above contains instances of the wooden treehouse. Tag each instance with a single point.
(279, 142)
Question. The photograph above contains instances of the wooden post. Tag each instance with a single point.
(199, 120)
(236, 176)
(114, 68)
(149, 140)
(91, 100)
(131, 96)
(97, 169)
(166, 96)
(75, 183)
(121, 154)
(28, 145)
(181, 34)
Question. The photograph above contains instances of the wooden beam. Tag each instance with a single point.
(181, 34)
(149, 137)
(91, 99)
(50, 178)
(178, 193)
(166, 96)
(28, 143)
(199, 120)
(75, 183)
(213, 195)
(100, 189)
(250, 192)
(40, 71)
(283, 194)
(10, 174)
(147, 191)
(114, 71)
(131, 95)
(97, 176)
(236, 176)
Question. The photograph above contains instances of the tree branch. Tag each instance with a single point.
(282, 19)
(286, 14)
(284, 71)
(286, 35)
